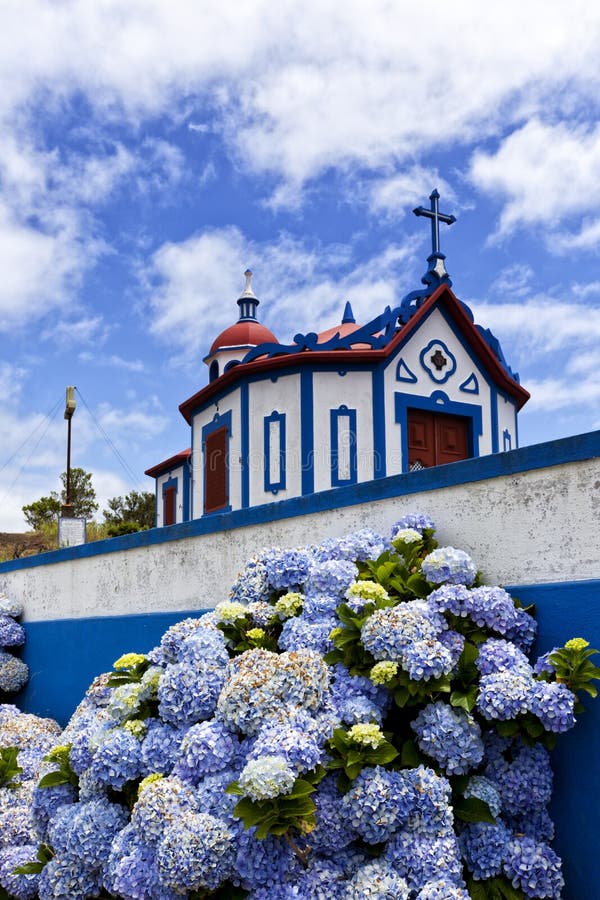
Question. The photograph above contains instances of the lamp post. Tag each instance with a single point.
(66, 510)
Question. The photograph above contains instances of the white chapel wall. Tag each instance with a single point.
(434, 328)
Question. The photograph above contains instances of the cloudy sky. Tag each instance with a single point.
(151, 150)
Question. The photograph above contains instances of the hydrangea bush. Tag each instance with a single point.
(14, 673)
(360, 721)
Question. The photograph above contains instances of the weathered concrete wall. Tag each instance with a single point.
(526, 516)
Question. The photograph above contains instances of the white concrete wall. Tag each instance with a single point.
(534, 526)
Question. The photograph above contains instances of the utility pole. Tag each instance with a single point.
(66, 511)
(71, 529)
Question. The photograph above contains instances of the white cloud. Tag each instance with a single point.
(400, 192)
(74, 332)
(192, 287)
(541, 324)
(111, 361)
(298, 91)
(544, 173)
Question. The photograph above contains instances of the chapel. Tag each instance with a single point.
(418, 385)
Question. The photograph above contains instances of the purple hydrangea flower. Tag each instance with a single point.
(554, 705)
(534, 868)
(378, 803)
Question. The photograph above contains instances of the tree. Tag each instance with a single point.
(134, 512)
(83, 500)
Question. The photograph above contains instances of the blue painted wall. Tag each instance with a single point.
(64, 656)
(564, 611)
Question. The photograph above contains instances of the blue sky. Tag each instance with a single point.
(152, 150)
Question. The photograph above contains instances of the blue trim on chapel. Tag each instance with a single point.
(334, 419)
(272, 485)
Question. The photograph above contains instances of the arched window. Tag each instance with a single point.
(213, 371)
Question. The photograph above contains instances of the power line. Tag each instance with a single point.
(48, 421)
(132, 477)
(49, 415)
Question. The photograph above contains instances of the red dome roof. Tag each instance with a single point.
(342, 330)
(247, 333)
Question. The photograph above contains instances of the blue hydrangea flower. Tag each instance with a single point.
(12, 608)
(203, 645)
(11, 633)
(160, 747)
(524, 630)
(286, 569)
(389, 633)
(484, 848)
(427, 659)
(441, 889)
(378, 803)
(46, 801)
(85, 831)
(296, 745)
(14, 673)
(357, 547)
(23, 887)
(377, 881)
(356, 699)
(196, 851)
(418, 521)
(17, 826)
(298, 634)
(534, 868)
(450, 736)
(447, 564)
(251, 585)
(320, 607)
(432, 813)
(118, 759)
(482, 788)
(543, 663)
(524, 782)
(174, 636)
(332, 578)
(131, 872)
(188, 693)
(65, 877)
(160, 803)
(206, 748)
(554, 705)
(498, 655)
(261, 863)
(332, 832)
(261, 685)
(536, 824)
(211, 797)
(504, 695)
(422, 858)
(451, 597)
(493, 607)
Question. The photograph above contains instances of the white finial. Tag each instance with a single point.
(248, 292)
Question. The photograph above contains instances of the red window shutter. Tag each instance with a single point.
(169, 506)
(215, 471)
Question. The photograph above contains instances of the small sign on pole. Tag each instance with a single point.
(71, 531)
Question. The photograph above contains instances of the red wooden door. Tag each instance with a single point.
(436, 438)
(169, 506)
(215, 471)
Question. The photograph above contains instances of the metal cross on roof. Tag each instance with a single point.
(436, 217)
